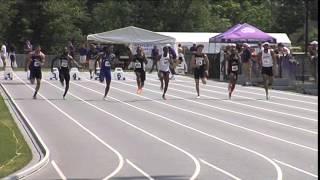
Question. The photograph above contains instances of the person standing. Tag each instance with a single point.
(71, 49)
(91, 57)
(181, 58)
(246, 63)
(36, 60)
(83, 54)
(106, 59)
(164, 70)
(200, 65)
(313, 58)
(267, 59)
(3, 54)
(193, 48)
(139, 61)
(155, 58)
(174, 57)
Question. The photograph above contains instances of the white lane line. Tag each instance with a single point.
(219, 169)
(139, 169)
(62, 176)
(216, 119)
(45, 160)
(242, 104)
(268, 102)
(295, 168)
(278, 169)
(121, 161)
(255, 88)
(196, 162)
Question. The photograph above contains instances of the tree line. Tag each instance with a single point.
(52, 23)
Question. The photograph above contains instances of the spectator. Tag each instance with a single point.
(181, 58)
(193, 49)
(3, 54)
(71, 49)
(174, 57)
(83, 54)
(27, 49)
(246, 63)
(155, 58)
(12, 56)
(313, 58)
(254, 62)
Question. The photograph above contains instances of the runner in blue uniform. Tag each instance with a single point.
(105, 59)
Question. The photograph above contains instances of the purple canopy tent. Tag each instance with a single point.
(242, 33)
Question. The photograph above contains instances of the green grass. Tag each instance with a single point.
(14, 151)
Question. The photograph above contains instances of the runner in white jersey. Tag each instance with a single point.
(164, 70)
(267, 59)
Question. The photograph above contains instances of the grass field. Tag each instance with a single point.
(14, 151)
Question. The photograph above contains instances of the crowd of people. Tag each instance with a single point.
(265, 59)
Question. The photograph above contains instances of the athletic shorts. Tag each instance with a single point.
(91, 64)
(105, 74)
(64, 74)
(35, 74)
(267, 70)
(141, 74)
(233, 76)
(199, 73)
(83, 59)
(163, 73)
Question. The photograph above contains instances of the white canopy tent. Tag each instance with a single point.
(189, 38)
(133, 37)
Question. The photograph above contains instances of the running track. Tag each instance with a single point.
(132, 136)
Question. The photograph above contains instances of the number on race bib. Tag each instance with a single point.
(138, 65)
(234, 68)
(107, 64)
(36, 63)
(199, 61)
(64, 63)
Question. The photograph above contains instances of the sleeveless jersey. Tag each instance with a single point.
(266, 59)
(164, 63)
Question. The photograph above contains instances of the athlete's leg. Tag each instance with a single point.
(197, 87)
(166, 84)
(161, 79)
(67, 78)
(265, 83)
(108, 81)
(37, 88)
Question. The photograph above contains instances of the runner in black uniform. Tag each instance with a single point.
(200, 64)
(65, 60)
(105, 59)
(139, 61)
(35, 61)
(233, 69)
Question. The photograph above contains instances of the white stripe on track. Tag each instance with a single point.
(278, 169)
(219, 169)
(139, 169)
(196, 162)
(121, 161)
(219, 120)
(62, 176)
(255, 88)
(242, 104)
(295, 168)
(268, 102)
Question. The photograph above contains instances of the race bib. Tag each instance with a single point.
(234, 68)
(36, 64)
(137, 65)
(199, 61)
(107, 64)
(166, 61)
(64, 63)
(266, 61)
